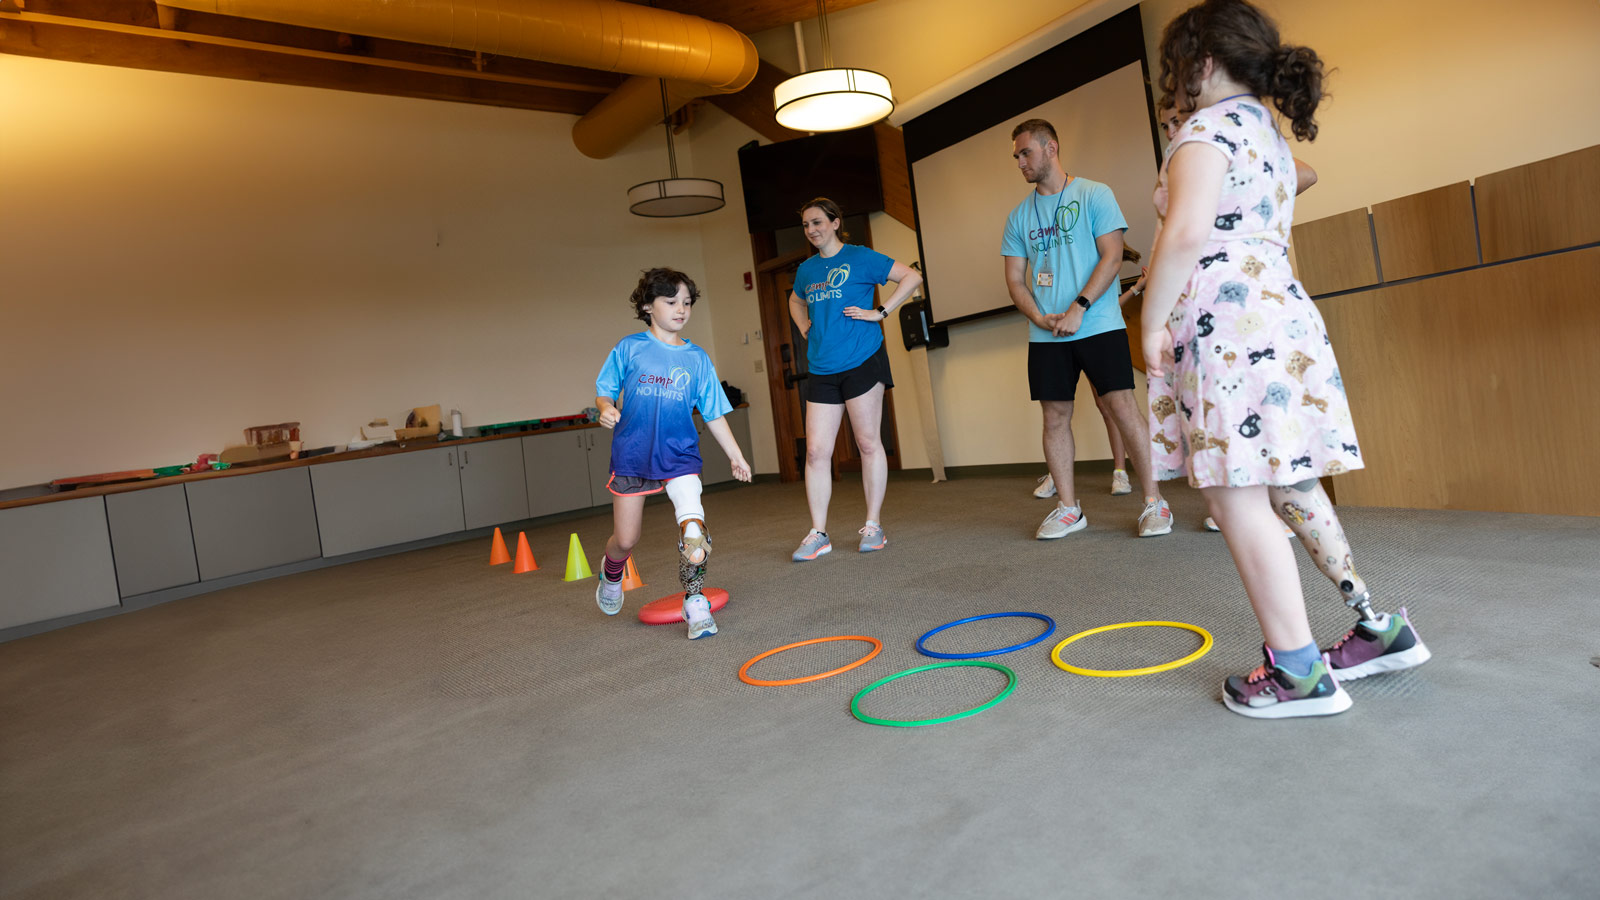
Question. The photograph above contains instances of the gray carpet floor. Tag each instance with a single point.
(425, 726)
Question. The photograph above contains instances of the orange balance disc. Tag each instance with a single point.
(744, 673)
(670, 609)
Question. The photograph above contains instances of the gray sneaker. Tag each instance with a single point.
(816, 544)
(1062, 521)
(1046, 488)
(1120, 484)
(873, 538)
(608, 594)
(697, 612)
(1156, 519)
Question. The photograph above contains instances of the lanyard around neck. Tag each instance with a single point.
(1056, 216)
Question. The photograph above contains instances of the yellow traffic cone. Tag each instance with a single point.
(577, 565)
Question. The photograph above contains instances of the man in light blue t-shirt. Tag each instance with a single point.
(1063, 249)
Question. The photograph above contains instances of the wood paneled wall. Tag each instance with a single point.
(1426, 233)
(1470, 375)
(1540, 207)
(1475, 390)
(1341, 258)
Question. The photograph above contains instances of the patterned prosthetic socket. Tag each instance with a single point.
(693, 578)
(1308, 510)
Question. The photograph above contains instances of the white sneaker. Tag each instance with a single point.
(1156, 519)
(1119, 483)
(697, 611)
(608, 594)
(1046, 488)
(1061, 522)
(1211, 524)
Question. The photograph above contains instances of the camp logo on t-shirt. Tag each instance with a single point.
(668, 387)
(832, 288)
(1044, 238)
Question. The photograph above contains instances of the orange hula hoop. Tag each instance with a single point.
(744, 671)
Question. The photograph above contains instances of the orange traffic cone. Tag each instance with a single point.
(630, 577)
(497, 551)
(525, 561)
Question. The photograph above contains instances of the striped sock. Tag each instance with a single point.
(614, 568)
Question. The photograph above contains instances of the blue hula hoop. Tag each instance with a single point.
(1022, 646)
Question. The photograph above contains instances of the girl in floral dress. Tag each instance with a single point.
(1246, 398)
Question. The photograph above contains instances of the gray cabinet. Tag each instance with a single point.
(557, 471)
(242, 523)
(55, 560)
(494, 485)
(599, 448)
(150, 539)
(367, 503)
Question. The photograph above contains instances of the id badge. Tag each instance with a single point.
(1045, 277)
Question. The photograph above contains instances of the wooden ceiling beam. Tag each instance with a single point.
(104, 43)
(753, 105)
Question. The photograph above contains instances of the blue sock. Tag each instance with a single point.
(1297, 662)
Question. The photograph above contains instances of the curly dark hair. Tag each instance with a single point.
(1244, 42)
(659, 283)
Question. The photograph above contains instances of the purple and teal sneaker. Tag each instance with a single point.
(1269, 692)
(1372, 648)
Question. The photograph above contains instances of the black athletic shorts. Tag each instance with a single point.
(851, 383)
(1054, 366)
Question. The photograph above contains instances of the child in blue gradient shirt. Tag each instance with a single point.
(661, 378)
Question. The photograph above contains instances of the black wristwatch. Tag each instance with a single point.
(1082, 301)
(883, 314)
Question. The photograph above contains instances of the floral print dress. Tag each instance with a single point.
(1255, 396)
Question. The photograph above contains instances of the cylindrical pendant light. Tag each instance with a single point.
(831, 99)
(667, 198)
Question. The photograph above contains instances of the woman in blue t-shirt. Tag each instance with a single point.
(834, 306)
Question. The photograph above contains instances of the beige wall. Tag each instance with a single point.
(1433, 92)
(187, 256)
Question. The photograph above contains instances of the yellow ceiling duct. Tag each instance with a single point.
(696, 56)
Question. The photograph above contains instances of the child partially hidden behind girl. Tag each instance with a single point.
(660, 379)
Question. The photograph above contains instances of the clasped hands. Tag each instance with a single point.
(1063, 324)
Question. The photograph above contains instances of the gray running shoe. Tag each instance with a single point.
(872, 537)
(1120, 484)
(1061, 522)
(816, 544)
(1156, 519)
(1046, 488)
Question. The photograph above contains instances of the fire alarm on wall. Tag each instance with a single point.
(749, 284)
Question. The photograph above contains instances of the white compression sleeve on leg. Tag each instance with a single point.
(685, 493)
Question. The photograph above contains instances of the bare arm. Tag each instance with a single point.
(1304, 176)
(906, 280)
(798, 312)
(1194, 183)
(719, 429)
(1021, 296)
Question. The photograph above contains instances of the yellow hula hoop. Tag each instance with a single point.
(1205, 647)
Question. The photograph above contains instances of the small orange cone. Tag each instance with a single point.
(525, 561)
(498, 554)
(630, 577)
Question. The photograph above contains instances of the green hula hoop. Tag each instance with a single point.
(855, 702)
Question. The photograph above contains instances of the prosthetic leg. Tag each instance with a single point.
(1308, 510)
